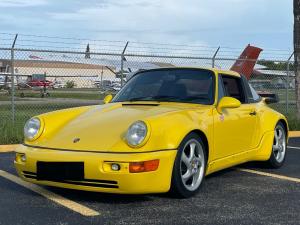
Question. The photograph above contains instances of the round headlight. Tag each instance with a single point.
(32, 128)
(136, 133)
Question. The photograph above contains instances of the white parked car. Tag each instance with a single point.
(59, 84)
(2, 81)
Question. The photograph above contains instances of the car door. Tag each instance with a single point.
(253, 99)
(233, 129)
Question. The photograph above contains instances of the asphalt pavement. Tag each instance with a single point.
(234, 196)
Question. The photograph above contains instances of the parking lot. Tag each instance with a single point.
(248, 194)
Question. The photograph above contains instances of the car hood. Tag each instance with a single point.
(102, 128)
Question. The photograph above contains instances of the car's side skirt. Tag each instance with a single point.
(261, 153)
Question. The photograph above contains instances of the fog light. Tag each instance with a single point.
(20, 157)
(115, 167)
(23, 158)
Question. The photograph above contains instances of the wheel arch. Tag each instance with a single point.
(203, 137)
(286, 129)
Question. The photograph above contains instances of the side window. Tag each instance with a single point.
(251, 94)
(233, 87)
(256, 97)
(221, 93)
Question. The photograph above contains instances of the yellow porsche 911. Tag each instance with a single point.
(164, 131)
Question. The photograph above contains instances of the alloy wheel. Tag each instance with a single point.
(192, 165)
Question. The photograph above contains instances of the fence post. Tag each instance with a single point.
(122, 62)
(287, 84)
(214, 57)
(12, 52)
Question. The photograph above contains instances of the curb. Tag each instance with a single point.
(12, 148)
(8, 148)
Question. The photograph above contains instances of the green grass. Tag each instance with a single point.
(294, 123)
(282, 94)
(89, 96)
(12, 133)
(68, 93)
(4, 97)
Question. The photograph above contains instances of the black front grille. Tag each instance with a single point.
(60, 171)
(83, 182)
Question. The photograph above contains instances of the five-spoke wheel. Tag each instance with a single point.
(279, 147)
(192, 165)
(189, 167)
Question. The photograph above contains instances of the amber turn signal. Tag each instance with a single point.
(138, 167)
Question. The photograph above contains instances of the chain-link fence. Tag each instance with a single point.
(35, 80)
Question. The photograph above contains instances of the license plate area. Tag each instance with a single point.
(59, 171)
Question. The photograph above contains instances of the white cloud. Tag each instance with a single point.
(170, 15)
(22, 3)
(193, 22)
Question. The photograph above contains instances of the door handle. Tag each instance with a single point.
(253, 113)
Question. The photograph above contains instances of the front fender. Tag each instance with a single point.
(57, 119)
(168, 131)
(268, 120)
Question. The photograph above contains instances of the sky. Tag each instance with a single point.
(234, 23)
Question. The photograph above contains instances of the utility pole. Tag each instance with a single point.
(297, 52)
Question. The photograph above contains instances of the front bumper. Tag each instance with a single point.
(97, 173)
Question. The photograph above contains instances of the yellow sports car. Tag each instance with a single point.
(164, 131)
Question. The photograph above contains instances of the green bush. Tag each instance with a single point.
(70, 84)
(294, 123)
(11, 134)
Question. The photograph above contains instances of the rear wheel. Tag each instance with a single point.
(279, 147)
(189, 167)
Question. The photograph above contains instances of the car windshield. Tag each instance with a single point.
(170, 85)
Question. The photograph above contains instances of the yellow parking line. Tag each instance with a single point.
(281, 177)
(8, 148)
(294, 133)
(83, 210)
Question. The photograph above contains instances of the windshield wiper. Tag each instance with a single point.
(196, 98)
(151, 98)
(159, 98)
(138, 99)
(164, 97)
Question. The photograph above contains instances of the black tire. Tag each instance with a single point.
(178, 188)
(274, 161)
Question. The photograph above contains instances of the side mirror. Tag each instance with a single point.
(228, 102)
(107, 99)
(271, 100)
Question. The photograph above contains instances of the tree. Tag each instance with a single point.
(87, 52)
(297, 52)
(273, 65)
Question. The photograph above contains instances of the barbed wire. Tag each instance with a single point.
(96, 45)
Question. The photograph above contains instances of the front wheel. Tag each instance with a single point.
(189, 167)
(279, 147)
